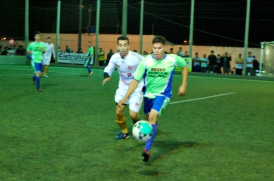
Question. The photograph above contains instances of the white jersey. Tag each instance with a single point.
(47, 55)
(249, 60)
(126, 67)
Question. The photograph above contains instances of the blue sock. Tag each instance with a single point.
(37, 82)
(33, 77)
(150, 141)
(89, 70)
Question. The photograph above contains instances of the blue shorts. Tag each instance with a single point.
(157, 104)
(38, 67)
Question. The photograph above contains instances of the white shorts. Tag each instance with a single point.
(46, 61)
(134, 101)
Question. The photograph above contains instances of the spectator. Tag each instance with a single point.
(68, 49)
(196, 63)
(218, 64)
(171, 51)
(12, 50)
(225, 61)
(59, 49)
(101, 57)
(255, 66)
(239, 65)
(110, 53)
(145, 53)
(5, 52)
(134, 51)
(212, 60)
(180, 52)
(204, 61)
(186, 54)
(80, 50)
(249, 64)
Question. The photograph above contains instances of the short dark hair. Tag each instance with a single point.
(48, 37)
(123, 38)
(36, 33)
(159, 39)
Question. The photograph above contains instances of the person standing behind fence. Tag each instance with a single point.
(89, 57)
(110, 53)
(37, 49)
(196, 63)
(218, 65)
(204, 61)
(249, 64)
(212, 59)
(48, 55)
(101, 57)
(226, 63)
(239, 65)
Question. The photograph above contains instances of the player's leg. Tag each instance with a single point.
(46, 63)
(156, 105)
(120, 117)
(39, 70)
(135, 103)
(86, 64)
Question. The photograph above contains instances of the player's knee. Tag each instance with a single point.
(146, 116)
(134, 115)
(119, 113)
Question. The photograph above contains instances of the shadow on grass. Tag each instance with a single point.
(170, 147)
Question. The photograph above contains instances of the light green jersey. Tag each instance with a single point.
(37, 54)
(89, 52)
(158, 74)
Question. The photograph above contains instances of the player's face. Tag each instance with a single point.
(158, 50)
(37, 37)
(89, 44)
(49, 40)
(123, 47)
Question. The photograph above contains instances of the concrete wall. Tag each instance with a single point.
(11, 59)
(108, 41)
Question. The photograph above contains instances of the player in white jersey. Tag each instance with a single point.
(47, 56)
(126, 63)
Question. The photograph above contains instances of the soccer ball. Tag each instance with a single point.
(142, 130)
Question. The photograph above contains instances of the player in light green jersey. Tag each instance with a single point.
(37, 48)
(89, 57)
(157, 70)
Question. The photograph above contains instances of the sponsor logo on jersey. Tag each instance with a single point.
(137, 104)
(129, 67)
(129, 74)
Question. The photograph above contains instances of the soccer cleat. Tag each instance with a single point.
(38, 90)
(157, 124)
(145, 155)
(121, 135)
(135, 121)
(90, 73)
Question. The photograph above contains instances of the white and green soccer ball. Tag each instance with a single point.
(142, 131)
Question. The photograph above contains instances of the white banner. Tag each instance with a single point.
(72, 58)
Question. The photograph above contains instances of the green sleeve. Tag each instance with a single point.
(180, 62)
(30, 46)
(140, 71)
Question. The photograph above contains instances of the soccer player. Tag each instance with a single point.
(47, 56)
(126, 63)
(157, 70)
(89, 57)
(37, 48)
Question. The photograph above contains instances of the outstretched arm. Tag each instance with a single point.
(182, 89)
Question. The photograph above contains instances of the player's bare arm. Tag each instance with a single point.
(182, 89)
(106, 80)
(134, 83)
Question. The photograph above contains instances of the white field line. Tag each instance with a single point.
(202, 98)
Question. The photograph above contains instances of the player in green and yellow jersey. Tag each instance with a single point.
(157, 70)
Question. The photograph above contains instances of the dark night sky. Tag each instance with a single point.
(216, 23)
